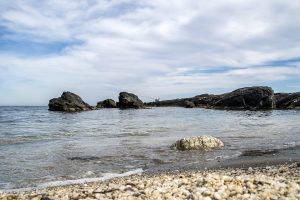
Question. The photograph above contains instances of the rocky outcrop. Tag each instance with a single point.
(107, 103)
(252, 98)
(189, 104)
(287, 100)
(248, 98)
(204, 142)
(68, 102)
(129, 100)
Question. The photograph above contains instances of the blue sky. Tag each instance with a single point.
(170, 49)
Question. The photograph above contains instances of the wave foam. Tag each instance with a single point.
(105, 176)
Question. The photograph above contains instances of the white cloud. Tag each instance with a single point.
(147, 46)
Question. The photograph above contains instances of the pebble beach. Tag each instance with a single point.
(269, 182)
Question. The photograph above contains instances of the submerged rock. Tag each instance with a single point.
(68, 102)
(107, 103)
(252, 98)
(196, 143)
(129, 100)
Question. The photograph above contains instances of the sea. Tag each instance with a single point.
(41, 148)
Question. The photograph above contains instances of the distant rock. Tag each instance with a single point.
(198, 143)
(248, 98)
(287, 100)
(206, 100)
(107, 103)
(252, 98)
(129, 100)
(68, 102)
(189, 104)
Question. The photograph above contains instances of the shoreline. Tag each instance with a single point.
(248, 180)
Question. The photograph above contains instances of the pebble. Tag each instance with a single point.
(272, 182)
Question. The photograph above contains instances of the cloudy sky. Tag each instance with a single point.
(177, 48)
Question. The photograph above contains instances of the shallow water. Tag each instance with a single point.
(39, 146)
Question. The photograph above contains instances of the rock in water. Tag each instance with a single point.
(201, 142)
(252, 98)
(287, 100)
(129, 100)
(189, 104)
(68, 102)
(107, 103)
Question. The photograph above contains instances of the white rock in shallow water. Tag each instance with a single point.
(200, 142)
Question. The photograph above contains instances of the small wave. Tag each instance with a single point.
(259, 152)
(84, 158)
(225, 157)
(291, 144)
(105, 176)
(244, 137)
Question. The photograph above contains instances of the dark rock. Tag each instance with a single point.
(287, 100)
(84, 158)
(107, 103)
(129, 100)
(206, 100)
(173, 102)
(248, 98)
(189, 104)
(68, 102)
(45, 198)
(252, 98)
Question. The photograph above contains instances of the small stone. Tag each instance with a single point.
(217, 196)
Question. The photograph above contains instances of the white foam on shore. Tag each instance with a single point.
(225, 157)
(291, 144)
(105, 176)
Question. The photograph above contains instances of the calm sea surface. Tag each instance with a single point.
(39, 146)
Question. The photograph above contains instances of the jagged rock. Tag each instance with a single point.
(68, 102)
(129, 100)
(189, 104)
(287, 100)
(206, 100)
(107, 103)
(198, 143)
(246, 98)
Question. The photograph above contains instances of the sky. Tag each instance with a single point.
(153, 48)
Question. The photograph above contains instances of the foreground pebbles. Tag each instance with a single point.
(273, 182)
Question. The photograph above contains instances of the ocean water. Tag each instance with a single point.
(38, 146)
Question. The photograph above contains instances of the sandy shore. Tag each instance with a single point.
(271, 182)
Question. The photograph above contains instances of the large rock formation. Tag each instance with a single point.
(68, 102)
(252, 98)
(129, 100)
(107, 103)
(287, 100)
(195, 143)
(189, 104)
